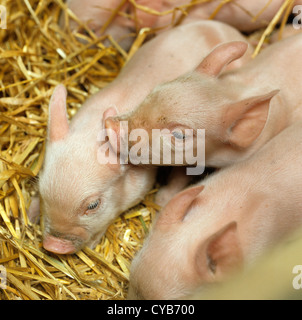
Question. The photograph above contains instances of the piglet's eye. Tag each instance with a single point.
(93, 205)
(178, 135)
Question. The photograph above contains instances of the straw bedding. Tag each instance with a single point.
(35, 56)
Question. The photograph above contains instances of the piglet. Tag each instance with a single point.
(211, 230)
(240, 110)
(82, 191)
(96, 13)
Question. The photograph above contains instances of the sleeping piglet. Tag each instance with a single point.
(240, 110)
(82, 194)
(211, 230)
(96, 14)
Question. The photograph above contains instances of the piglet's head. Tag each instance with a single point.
(63, 216)
(179, 256)
(78, 194)
(233, 115)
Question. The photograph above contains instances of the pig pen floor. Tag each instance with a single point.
(35, 56)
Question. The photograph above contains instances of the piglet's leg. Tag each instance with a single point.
(178, 180)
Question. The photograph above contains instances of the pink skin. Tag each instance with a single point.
(94, 13)
(288, 31)
(57, 245)
(209, 231)
(240, 110)
(78, 193)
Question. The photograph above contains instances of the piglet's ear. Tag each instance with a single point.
(221, 253)
(245, 120)
(109, 122)
(110, 112)
(58, 121)
(178, 206)
(112, 126)
(221, 56)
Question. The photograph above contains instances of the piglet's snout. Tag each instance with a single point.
(57, 245)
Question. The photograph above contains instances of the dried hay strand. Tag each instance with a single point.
(35, 56)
